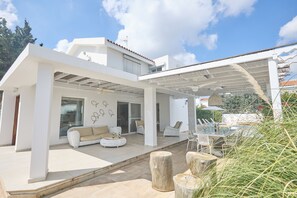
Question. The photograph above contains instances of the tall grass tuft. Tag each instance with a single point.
(262, 166)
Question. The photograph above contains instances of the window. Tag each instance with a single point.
(72, 113)
(156, 69)
(131, 65)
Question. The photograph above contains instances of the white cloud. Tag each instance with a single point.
(158, 27)
(9, 12)
(186, 58)
(234, 8)
(288, 32)
(62, 45)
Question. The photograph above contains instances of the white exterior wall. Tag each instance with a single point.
(95, 54)
(144, 68)
(88, 96)
(164, 105)
(7, 118)
(115, 59)
(26, 118)
(168, 61)
(179, 112)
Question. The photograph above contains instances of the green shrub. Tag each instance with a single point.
(260, 167)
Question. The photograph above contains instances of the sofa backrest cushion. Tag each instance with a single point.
(178, 124)
(83, 131)
(100, 130)
(139, 123)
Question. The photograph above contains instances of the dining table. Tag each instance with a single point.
(214, 137)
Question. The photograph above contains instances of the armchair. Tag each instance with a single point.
(173, 131)
(139, 126)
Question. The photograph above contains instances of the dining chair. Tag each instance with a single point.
(203, 140)
(192, 138)
(230, 141)
(200, 122)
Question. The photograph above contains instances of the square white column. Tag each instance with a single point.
(7, 118)
(26, 118)
(41, 126)
(274, 90)
(192, 118)
(150, 120)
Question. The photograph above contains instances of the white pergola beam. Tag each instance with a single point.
(60, 76)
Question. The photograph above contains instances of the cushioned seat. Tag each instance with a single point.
(173, 131)
(89, 138)
(80, 136)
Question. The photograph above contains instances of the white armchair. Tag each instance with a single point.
(173, 131)
(139, 126)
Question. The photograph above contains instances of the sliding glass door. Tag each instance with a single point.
(127, 114)
(135, 115)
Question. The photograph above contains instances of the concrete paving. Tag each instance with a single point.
(131, 181)
(66, 163)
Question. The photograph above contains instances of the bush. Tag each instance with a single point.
(205, 114)
(260, 167)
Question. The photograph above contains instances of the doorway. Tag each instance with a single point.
(123, 116)
(15, 121)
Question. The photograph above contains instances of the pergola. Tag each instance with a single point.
(258, 72)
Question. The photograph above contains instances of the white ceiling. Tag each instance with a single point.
(220, 79)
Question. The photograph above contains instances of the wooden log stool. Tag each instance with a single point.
(199, 163)
(161, 169)
(185, 185)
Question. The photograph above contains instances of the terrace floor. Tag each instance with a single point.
(71, 166)
(131, 181)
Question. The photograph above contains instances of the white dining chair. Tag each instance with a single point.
(203, 140)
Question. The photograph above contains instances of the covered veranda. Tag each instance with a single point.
(36, 76)
(257, 72)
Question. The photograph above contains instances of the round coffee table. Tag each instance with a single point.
(113, 142)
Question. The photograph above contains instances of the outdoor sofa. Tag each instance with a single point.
(81, 136)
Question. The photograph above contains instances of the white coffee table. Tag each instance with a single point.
(113, 142)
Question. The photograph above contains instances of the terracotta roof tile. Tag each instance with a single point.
(129, 50)
(288, 83)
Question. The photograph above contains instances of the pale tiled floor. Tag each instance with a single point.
(131, 181)
(66, 163)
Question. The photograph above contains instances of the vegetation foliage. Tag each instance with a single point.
(263, 165)
(12, 43)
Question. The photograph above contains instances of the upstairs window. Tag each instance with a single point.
(131, 65)
(156, 69)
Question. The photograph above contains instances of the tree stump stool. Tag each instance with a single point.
(161, 169)
(185, 185)
(199, 163)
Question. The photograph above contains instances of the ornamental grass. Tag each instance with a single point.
(264, 165)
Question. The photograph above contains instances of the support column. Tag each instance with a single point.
(150, 120)
(42, 110)
(192, 118)
(26, 119)
(7, 118)
(274, 90)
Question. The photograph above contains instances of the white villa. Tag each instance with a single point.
(47, 92)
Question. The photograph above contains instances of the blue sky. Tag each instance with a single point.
(196, 31)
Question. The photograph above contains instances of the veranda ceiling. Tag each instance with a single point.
(230, 78)
(81, 82)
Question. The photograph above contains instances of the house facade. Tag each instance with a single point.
(98, 82)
